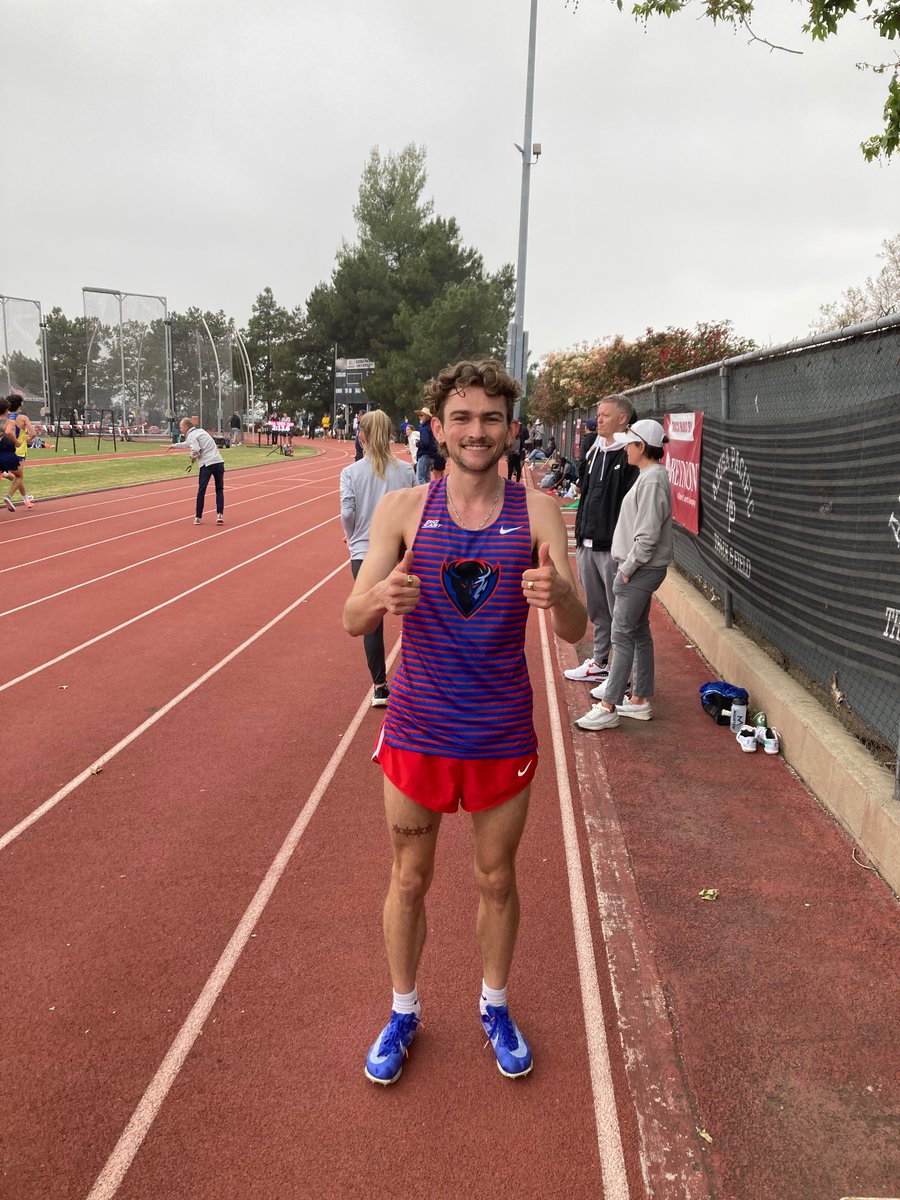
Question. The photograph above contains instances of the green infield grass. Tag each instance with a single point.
(46, 478)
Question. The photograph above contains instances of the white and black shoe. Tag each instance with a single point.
(768, 738)
(746, 739)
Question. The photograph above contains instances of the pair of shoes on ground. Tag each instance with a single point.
(384, 1062)
(588, 672)
(380, 695)
(600, 717)
(751, 736)
(220, 520)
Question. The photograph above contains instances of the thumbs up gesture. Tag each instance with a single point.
(540, 584)
(402, 589)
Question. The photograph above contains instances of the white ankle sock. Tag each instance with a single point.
(494, 996)
(407, 1002)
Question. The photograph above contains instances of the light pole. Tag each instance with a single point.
(517, 341)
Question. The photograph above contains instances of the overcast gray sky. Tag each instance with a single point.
(204, 149)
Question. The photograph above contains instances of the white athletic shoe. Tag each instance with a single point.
(768, 739)
(198, 520)
(746, 739)
(588, 672)
(640, 712)
(598, 718)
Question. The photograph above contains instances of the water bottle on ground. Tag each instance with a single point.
(738, 715)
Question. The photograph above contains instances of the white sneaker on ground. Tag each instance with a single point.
(598, 718)
(768, 739)
(746, 739)
(640, 712)
(588, 672)
(220, 520)
(198, 520)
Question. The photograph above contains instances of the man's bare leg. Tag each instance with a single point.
(497, 835)
(413, 831)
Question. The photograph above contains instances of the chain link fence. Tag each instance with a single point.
(799, 538)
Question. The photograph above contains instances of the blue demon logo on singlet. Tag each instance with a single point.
(469, 582)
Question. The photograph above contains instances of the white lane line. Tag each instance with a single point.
(158, 607)
(126, 741)
(142, 562)
(123, 1155)
(114, 516)
(609, 1137)
(117, 537)
(669, 1146)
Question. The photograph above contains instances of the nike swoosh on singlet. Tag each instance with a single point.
(524, 769)
(512, 528)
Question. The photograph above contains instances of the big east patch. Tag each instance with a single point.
(470, 583)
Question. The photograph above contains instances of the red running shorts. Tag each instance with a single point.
(442, 784)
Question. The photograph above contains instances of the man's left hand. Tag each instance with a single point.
(542, 585)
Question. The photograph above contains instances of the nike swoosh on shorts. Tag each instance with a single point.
(524, 769)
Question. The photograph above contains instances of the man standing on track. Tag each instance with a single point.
(461, 561)
(212, 466)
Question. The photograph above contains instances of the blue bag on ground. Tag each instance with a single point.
(717, 698)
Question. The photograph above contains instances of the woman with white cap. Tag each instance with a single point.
(642, 546)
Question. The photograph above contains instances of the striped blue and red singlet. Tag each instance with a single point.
(462, 688)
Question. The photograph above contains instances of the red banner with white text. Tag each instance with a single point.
(682, 458)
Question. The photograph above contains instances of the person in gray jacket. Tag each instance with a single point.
(642, 548)
(362, 486)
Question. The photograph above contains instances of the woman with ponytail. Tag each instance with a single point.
(363, 484)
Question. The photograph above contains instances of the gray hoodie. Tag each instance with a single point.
(643, 535)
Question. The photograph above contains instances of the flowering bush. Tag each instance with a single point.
(582, 376)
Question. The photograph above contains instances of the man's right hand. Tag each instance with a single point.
(402, 589)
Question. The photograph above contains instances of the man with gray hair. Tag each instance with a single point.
(606, 479)
(201, 446)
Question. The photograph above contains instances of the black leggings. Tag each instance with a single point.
(216, 471)
(373, 642)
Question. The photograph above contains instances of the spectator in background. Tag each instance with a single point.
(202, 448)
(427, 448)
(412, 440)
(10, 467)
(362, 486)
(514, 457)
(642, 551)
(236, 429)
(24, 437)
(607, 479)
(588, 437)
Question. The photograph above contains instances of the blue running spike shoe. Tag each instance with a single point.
(384, 1061)
(513, 1053)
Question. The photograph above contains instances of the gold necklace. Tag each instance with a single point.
(459, 519)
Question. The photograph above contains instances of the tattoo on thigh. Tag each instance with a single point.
(412, 830)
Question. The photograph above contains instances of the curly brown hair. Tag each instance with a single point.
(485, 373)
